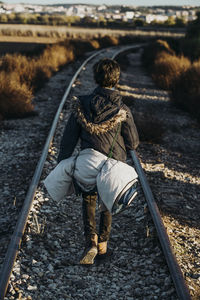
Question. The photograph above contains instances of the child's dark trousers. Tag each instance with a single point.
(89, 222)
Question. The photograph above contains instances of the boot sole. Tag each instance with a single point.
(88, 259)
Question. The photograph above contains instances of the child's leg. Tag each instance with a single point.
(105, 226)
(104, 231)
(89, 208)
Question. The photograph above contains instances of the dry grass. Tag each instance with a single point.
(15, 99)
(30, 73)
(44, 31)
(108, 41)
(175, 73)
(56, 56)
(22, 66)
(168, 68)
(154, 49)
(95, 44)
(27, 75)
(186, 90)
(81, 46)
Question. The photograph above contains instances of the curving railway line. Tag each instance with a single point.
(52, 240)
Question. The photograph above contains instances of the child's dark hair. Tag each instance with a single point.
(106, 72)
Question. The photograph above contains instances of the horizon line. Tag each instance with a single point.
(79, 3)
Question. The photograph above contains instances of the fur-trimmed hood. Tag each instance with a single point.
(99, 112)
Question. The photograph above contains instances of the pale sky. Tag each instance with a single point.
(112, 2)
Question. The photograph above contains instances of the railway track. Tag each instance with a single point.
(53, 239)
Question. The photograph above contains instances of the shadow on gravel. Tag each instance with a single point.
(176, 158)
(176, 198)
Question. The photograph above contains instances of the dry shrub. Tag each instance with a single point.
(28, 33)
(7, 32)
(186, 90)
(56, 56)
(167, 69)
(21, 75)
(153, 49)
(12, 62)
(23, 66)
(95, 44)
(15, 99)
(56, 34)
(50, 61)
(19, 33)
(82, 46)
(42, 73)
(150, 129)
(108, 41)
(175, 73)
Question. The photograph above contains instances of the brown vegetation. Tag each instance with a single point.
(15, 98)
(153, 49)
(46, 34)
(57, 56)
(186, 90)
(34, 71)
(175, 73)
(81, 46)
(107, 41)
(27, 74)
(168, 68)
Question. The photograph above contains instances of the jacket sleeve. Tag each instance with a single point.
(70, 138)
(129, 132)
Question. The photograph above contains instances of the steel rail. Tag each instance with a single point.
(126, 49)
(16, 238)
(174, 268)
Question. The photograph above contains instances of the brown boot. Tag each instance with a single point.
(90, 251)
(102, 248)
(103, 252)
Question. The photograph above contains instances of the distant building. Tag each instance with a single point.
(19, 8)
(79, 10)
(182, 13)
(2, 10)
(104, 11)
(129, 15)
(102, 7)
(170, 13)
(117, 16)
(159, 18)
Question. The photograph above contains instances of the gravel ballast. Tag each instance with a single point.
(47, 266)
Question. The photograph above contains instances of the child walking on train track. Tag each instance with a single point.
(97, 119)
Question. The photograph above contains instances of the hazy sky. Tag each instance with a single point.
(112, 2)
